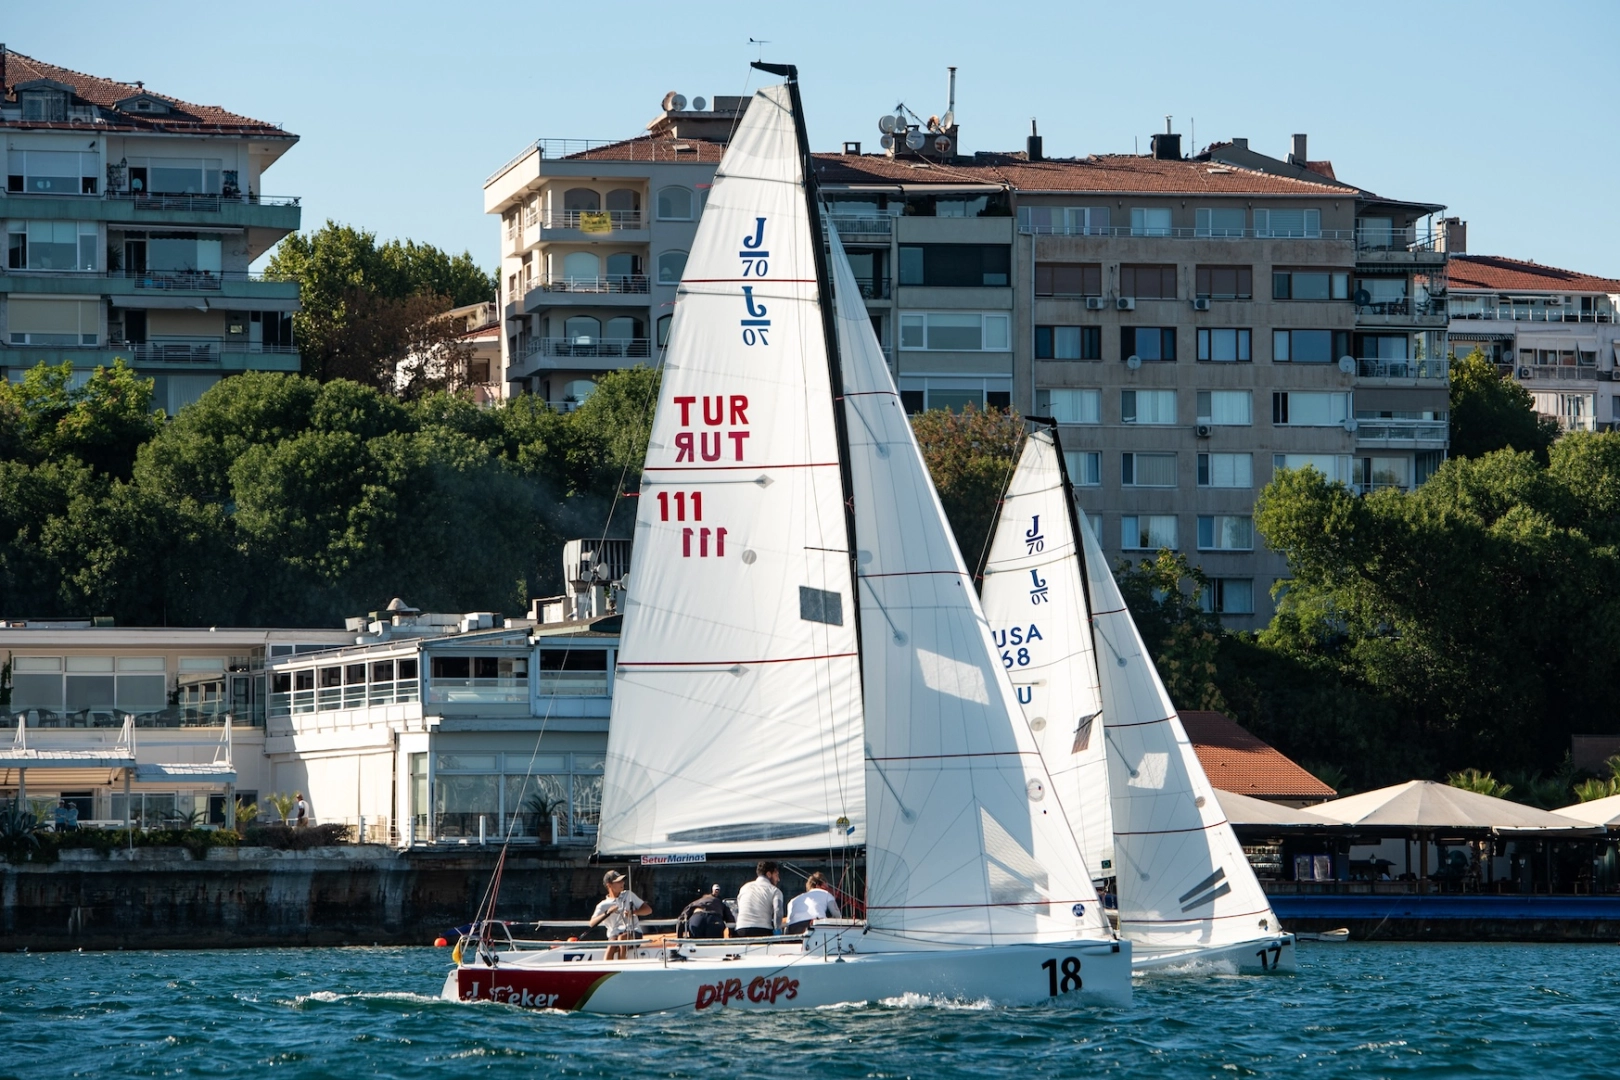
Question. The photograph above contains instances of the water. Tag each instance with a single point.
(1364, 1011)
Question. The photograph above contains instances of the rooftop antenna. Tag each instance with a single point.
(948, 121)
(761, 43)
(1167, 123)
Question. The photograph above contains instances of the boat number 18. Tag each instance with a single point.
(1064, 979)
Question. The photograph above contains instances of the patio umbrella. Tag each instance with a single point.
(1243, 810)
(1605, 812)
(1425, 804)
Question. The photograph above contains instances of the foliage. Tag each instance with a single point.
(46, 418)
(286, 838)
(20, 833)
(1594, 788)
(1480, 783)
(1489, 411)
(246, 814)
(1164, 594)
(198, 841)
(971, 455)
(283, 804)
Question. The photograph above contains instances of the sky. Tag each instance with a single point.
(404, 108)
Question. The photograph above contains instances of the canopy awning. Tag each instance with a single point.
(1244, 810)
(217, 772)
(1604, 812)
(1425, 804)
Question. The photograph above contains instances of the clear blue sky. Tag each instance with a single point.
(1497, 110)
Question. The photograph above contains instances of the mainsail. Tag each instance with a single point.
(966, 842)
(1182, 877)
(1035, 599)
(736, 721)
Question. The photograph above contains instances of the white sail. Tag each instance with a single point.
(1182, 877)
(965, 841)
(736, 706)
(1035, 599)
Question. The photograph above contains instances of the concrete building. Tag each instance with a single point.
(132, 219)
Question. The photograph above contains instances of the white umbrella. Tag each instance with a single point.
(1425, 804)
(1605, 812)
(1243, 810)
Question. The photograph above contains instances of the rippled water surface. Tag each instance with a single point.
(1380, 1010)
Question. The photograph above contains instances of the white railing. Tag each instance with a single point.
(573, 684)
(1510, 313)
(1183, 233)
(1559, 372)
(1401, 431)
(588, 346)
(576, 219)
(1403, 369)
(354, 696)
(619, 283)
(468, 691)
(1412, 239)
(861, 224)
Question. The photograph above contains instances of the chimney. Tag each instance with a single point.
(852, 148)
(1032, 145)
(1166, 147)
(1240, 144)
(1296, 151)
(1453, 236)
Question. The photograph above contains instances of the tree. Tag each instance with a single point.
(1164, 594)
(1481, 783)
(1489, 411)
(100, 422)
(971, 455)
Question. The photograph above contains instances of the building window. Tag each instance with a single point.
(1071, 406)
(1147, 406)
(1147, 532)
(954, 331)
(1382, 346)
(1226, 407)
(1227, 221)
(1148, 282)
(675, 204)
(1068, 279)
(663, 330)
(52, 245)
(955, 394)
(1382, 473)
(1085, 467)
(1309, 346)
(1225, 282)
(1150, 221)
(1068, 343)
(1332, 467)
(53, 172)
(1310, 285)
(1228, 596)
(671, 265)
(1148, 470)
(1226, 470)
(1064, 220)
(1288, 223)
(1221, 345)
(956, 265)
(1225, 532)
(1301, 408)
(1147, 342)
(32, 321)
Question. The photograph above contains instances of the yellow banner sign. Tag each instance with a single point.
(595, 222)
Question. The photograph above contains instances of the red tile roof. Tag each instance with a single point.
(1099, 174)
(1497, 274)
(1237, 761)
(653, 148)
(93, 90)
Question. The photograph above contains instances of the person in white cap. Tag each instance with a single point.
(622, 911)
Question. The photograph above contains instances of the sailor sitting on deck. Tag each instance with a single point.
(621, 911)
(816, 902)
(759, 903)
(707, 916)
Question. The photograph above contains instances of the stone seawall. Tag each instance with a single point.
(161, 898)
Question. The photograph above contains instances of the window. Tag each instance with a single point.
(944, 392)
(1065, 220)
(1147, 406)
(1085, 467)
(1310, 285)
(1226, 470)
(1228, 596)
(1332, 467)
(956, 265)
(1071, 406)
(1225, 532)
(1219, 221)
(1299, 408)
(582, 199)
(1150, 221)
(671, 265)
(1224, 345)
(178, 176)
(1296, 223)
(89, 682)
(1148, 282)
(663, 330)
(1147, 532)
(674, 204)
(1226, 407)
(44, 106)
(1068, 279)
(53, 172)
(1068, 343)
(1225, 282)
(1379, 233)
(1309, 346)
(1147, 342)
(1148, 470)
(53, 322)
(1382, 346)
(581, 267)
(1381, 473)
(52, 245)
(954, 331)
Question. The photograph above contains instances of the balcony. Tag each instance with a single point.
(616, 291)
(243, 285)
(861, 227)
(213, 353)
(334, 698)
(1563, 373)
(1028, 229)
(201, 714)
(579, 354)
(1398, 247)
(1403, 312)
(279, 212)
(1402, 433)
(1403, 369)
(873, 288)
(1526, 313)
(587, 223)
(497, 691)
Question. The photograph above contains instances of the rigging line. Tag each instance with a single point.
(1006, 482)
(898, 634)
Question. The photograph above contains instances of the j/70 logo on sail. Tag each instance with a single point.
(762, 990)
(755, 261)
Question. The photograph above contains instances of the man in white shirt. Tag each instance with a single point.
(816, 902)
(621, 911)
(759, 903)
(300, 811)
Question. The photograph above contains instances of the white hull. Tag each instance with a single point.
(1261, 956)
(831, 966)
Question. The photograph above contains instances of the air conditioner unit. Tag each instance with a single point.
(1095, 303)
(1201, 304)
(1126, 303)
(1203, 431)
(1553, 301)
(1524, 373)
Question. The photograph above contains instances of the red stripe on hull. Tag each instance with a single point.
(531, 988)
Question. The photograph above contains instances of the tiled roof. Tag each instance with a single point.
(1100, 174)
(1237, 761)
(653, 148)
(93, 90)
(1515, 275)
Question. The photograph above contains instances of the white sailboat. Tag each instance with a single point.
(805, 666)
(1125, 769)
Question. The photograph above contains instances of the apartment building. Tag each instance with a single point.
(132, 219)
(1554, 331)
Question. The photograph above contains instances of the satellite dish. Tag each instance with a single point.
(887, 142)
(900, 120)
(1349, 424)
(948, 121)
(700, 104)
(679, 102)
(1133, 361)
(942, 144)
(1363, 298)
(914, 139)
(885, 123)
(1347, 364)
(668, 103)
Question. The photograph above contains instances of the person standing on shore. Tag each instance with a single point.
(300, 811)
(759, 903)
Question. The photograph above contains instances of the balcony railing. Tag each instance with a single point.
(861, 224)
(873, 288)
(1183, 233)
(159, 280)
(478, 691)
(590, 220)
(1412, 239)
(1577, 423)
(1510, 313)
(1401, 430)
(1403, 369)
(154, 200)
(587, 346)
(621, 283)
(1561, 372)
(573, 684)
(204, 714)
(353, 696)
(195, 352)
(1403, 306)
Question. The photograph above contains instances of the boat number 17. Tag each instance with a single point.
(1270, 955)
(1069, 972)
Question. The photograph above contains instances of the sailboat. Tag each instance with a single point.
(805, 667)
(1125, 770)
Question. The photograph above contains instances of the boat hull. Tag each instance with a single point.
(1273, 954)
(794, 975)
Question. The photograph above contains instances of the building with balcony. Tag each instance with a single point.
(132, 219)
(1554, 331)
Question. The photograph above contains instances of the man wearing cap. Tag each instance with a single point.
(621, 911)
(707, 916)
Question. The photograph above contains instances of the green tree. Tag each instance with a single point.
(101, 422)
(1481, 783)
(1489, 411)
(1165, 594)
(971, 455)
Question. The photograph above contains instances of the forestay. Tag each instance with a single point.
(1182, 877)
(1035, 599)
(965, 842)
(736, 706)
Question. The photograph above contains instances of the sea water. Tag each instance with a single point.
(1353, 1010)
